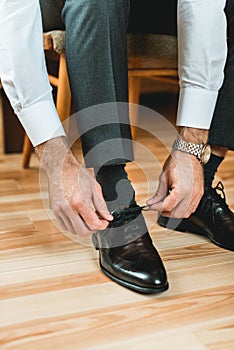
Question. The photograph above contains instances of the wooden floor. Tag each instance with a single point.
(53, 296)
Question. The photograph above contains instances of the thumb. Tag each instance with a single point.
(170, 201)
(165, 204)
(160, 194)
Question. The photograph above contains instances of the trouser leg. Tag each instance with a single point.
(97, 66)
(222, 127)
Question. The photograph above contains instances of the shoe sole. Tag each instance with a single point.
(196, 227)
(134, 287)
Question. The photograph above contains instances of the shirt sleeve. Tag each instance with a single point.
(202, 51)
(23, 70)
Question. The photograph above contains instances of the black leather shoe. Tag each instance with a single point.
(127, 254)
(212, 219)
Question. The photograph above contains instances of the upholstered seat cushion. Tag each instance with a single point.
(147, 47)
(152, 46)
(55, 40)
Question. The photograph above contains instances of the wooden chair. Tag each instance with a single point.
(150, 56)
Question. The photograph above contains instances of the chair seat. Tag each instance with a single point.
(54, 40)
(152, 50)
(153, 47)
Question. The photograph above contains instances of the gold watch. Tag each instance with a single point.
(202, 151)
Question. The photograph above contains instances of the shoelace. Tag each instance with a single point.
(220, 187)
(130, 208)
(221, 196)
(125, 214)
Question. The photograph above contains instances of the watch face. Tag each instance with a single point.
(205, 154)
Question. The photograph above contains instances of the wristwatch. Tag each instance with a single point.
(202, 151)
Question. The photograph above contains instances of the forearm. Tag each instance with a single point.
(201, 59)
(193, 135)
(54, 154)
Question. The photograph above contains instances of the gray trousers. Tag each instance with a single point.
(222, 127)
(96, 52)
(97, 67)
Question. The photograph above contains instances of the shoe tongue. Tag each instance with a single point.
(219, 197)
(215, 192)
(207, 189)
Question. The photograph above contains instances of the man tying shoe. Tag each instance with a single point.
(96, 52)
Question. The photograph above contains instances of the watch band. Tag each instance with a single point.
(188, 147)
(201, 151)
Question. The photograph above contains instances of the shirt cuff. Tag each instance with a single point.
(41, 122)
(196, 107)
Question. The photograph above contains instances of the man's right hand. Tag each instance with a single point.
(75, 196)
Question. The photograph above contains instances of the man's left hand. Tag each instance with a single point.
(181, 186)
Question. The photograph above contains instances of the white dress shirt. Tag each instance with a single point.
(23, 70)
(202, 55)
(202, 51)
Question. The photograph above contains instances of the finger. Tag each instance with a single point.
(90, 217)
(161, 193)
(182, 210)
(157, 206)
(78, 225)
(191, 208)
(60, 224)
(172, 200)
(70, 220)
(166, 213)
(65, 223)
(100, 205)
(168, 204)
(68, 224)
(74, 223)
(187, 206)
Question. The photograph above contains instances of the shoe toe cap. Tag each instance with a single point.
(146, 274)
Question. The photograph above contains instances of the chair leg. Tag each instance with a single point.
(134, 86)
(63, 102)
(27, 151)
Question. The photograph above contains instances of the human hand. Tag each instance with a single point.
(181, 186)
(75, 196)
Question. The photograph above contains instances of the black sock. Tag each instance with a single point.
(210, 169)
(116, 187)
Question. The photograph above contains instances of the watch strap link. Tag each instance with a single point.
(188, 147)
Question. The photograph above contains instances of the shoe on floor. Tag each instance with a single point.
(127, 254)
(212, 218)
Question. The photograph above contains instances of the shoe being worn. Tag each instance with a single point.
(127, 254)
(213, 219)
